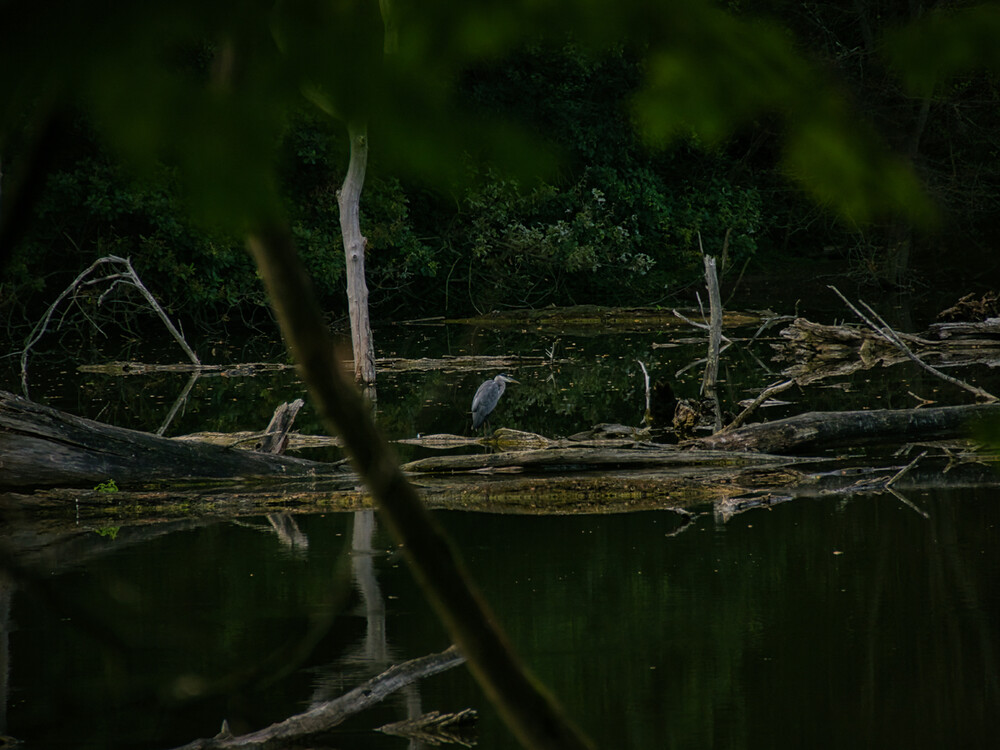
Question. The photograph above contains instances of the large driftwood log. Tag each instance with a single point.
(44, 447)
(817, 430)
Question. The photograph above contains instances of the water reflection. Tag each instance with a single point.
(833, 622)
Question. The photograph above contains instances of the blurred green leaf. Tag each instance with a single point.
(944, 43)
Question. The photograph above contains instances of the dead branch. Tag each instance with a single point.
(761, 398)
(127, 276)
(904, 471)
(178, 403)
(325, 716)
(44, 447)
(887, 333)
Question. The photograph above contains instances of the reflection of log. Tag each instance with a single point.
(327, 715)
(817, 430)
(819, 351)
(984, 330)
(436, 728)
(43, 447)
(397, 364)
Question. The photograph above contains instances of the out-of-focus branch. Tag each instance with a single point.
(532, 715)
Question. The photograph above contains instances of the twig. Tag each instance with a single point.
(909, 503)
(768, 323)
(764, 396)
(696, 324)
(904, 471)
(889, 335)
(697, 362)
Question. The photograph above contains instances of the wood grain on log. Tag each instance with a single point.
(43, 447)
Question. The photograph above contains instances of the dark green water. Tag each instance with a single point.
(819, 623)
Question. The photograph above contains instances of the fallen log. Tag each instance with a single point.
(44, 447)
(815, 431)
(646, 456)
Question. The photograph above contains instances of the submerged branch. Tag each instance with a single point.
(326, 716)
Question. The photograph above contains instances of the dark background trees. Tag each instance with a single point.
(602, 214)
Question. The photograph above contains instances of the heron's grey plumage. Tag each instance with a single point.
(486, 398)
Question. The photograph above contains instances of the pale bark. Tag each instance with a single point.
(349, 200)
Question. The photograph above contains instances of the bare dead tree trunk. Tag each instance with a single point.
(349, 200)
(714, 328)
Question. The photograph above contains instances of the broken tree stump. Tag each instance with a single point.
(275, 438)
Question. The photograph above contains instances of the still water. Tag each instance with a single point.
(850, 622)
(844, 621)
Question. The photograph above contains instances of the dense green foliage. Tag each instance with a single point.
(462, 208)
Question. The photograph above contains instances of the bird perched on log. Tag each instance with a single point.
(486, 398)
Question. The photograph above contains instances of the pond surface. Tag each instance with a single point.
(819, 623)
(823, 622)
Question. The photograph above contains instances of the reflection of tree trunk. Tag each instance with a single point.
(180, 401)
(532, 715)
(349, 199)
(289, 533)
(6, 594)
(362, 562)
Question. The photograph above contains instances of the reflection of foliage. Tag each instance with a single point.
(109, 532)
(107, 487)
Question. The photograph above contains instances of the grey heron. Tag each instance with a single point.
(486, 399)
